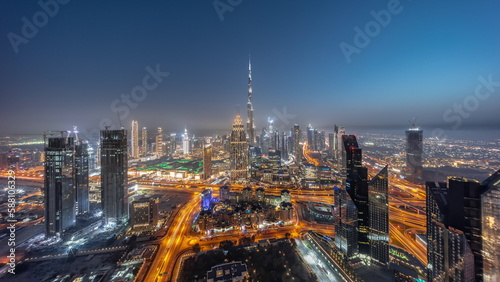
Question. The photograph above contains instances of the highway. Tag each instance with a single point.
(173, 242)
(179, 238)
(406, 208)
(321, 268)
(407, 203)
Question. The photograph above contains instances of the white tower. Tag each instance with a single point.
(135, 140)
(185, 142)
(250, 120)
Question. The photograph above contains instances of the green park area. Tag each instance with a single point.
(193, 166)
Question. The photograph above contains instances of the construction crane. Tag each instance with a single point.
(49, 133)
(75, 131)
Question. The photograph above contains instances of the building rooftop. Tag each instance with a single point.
(227, 271)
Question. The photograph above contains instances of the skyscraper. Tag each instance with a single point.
(289, 144)
(340, 146)
(378, 190)
(296, 144)
(82, 177)
(345, 223)
(264, 141)
(254, 157)
(172, 144)
(185, 142)
(449, 256)
(276, 140)
(238, 151)
(310, 137)
(135, 140)
(160, 152)
(331, 142)
(320, 140)
(114, 174)
(414, 149)
(59, 185)
(250, 120)
(284, 146)
(335, 145)
(144, 144)
(357, 188)
(490, 225)
(464, 214)
(472, 209)
(207, 161)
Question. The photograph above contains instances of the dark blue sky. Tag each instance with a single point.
(427, 59)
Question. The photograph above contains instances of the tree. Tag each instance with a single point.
(132, 239)
(196, 248)
(226, 245)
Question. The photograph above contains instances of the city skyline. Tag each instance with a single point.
(236, 140)
(352, 199)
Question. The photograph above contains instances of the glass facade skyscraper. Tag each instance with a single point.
(346, 223)
(378, 189)
(310, 138)
(464, 208)
(449, 255)
(114, 179)
(340, 155)
(473, 210)
(59, 185)
(490, 214)
(297, 150)
(357, 188)
(82, 177)
(414, 149)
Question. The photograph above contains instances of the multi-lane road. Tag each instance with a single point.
(179, 239)
(406, 207)
(173, 242)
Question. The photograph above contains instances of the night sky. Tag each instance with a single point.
(424, 61)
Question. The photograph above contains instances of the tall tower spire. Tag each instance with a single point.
(250, 121)
(185, 142)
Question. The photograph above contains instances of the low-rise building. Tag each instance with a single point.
(231, 271)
